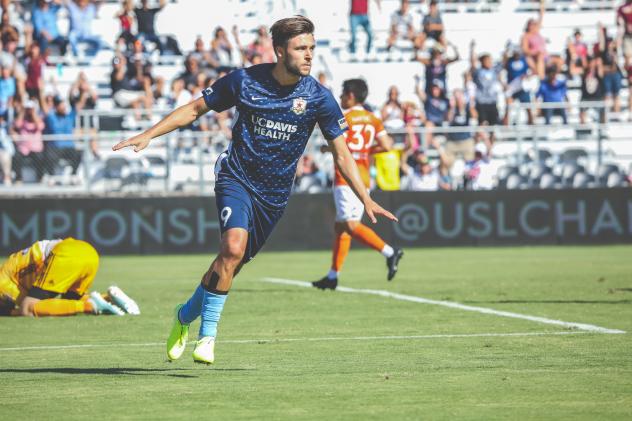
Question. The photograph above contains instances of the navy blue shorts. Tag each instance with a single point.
(522, 96)
(237, 208)
(612, 84)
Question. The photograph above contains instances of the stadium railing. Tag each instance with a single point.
(182, 162)
(177, 162)
(596, 129)
(567, 5)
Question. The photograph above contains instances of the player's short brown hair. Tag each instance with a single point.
(285, 29)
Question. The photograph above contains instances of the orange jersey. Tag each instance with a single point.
(364, 126)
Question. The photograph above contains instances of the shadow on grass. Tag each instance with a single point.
(116, 371)
(272, 290)
(550, 302)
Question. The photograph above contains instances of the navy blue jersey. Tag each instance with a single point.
(553, 91)
(272, 127)
(516, 68)
(436, 71)
(436, 109)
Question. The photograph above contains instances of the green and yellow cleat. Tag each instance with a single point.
(204, 352)
(177, 340)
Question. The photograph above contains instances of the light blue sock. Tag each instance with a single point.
(191, 309)
(212, 307)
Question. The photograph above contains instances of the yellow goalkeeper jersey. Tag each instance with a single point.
(52, 265)
(19, 272)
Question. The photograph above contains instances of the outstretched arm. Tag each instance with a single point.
(472, 56)
(541, 12)
(421, 94)
(349, 170)
(601, 37)
(456, 57)
(180, 117)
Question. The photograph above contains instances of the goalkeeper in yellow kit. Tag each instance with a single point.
(52, 278)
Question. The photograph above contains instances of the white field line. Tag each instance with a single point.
(317, 339)
(580, 326)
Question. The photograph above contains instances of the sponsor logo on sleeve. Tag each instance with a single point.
(343, 124)
(208, 91)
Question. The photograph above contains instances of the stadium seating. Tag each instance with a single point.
(545, 157)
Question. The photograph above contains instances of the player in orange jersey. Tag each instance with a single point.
(366, 135)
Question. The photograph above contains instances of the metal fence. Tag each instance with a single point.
(183, 161)
(180, 161)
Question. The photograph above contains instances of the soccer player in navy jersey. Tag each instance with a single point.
(278, 107)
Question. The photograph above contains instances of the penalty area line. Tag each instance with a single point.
(316, 339)
(451, 304)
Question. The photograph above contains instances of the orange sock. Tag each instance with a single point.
(60, 307)
(87, 304)
(342, 243)
(367, 236)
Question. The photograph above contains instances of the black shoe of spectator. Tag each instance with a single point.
(326, 283)
(391, 263)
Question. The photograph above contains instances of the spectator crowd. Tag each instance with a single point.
(33, 47)
(435, 130)
(526, 83)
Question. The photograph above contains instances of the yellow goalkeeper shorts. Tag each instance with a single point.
(71, 267)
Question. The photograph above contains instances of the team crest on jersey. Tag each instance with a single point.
(343, 124)
(299, 106)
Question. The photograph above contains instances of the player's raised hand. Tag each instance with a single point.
(372, 209)
(139, 142)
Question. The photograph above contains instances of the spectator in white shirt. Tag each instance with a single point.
(81, 14)
(479, 174)
(419, 175)
(401, 26)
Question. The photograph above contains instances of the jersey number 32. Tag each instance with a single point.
(361, 138)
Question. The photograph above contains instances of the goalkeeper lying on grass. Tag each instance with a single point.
(52, 278)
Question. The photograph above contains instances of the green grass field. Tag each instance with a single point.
(286, 352)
